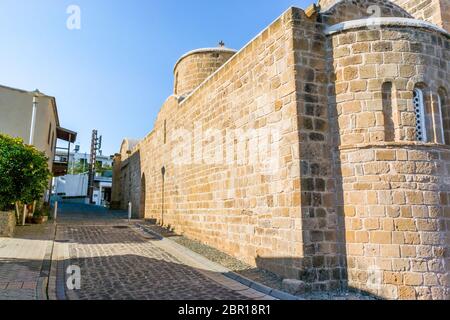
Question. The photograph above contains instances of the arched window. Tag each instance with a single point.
(176, 83)
(389, 126)
(445, 115)
(419, 109)
(165, 131)
(440, 121)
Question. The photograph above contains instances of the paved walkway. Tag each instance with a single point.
(118, 261)
(23, 262)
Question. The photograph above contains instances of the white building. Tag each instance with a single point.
(74, 187)
(83, 159)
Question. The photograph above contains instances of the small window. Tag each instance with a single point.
(444, 108)
(49, 132)
(165, 131)
(440, 106)
(389, 126)
(53, 141)
(419, 109)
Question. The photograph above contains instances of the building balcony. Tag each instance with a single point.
(62, 154)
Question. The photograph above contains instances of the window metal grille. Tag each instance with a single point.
(419, 108)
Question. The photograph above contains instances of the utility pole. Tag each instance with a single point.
(94, 148)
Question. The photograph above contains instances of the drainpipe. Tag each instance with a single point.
(33, 120)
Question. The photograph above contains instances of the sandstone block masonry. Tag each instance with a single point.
(7, 224)
(357, 191)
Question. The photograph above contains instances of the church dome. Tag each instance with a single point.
(197, 65)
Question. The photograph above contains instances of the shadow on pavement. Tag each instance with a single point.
(134, 277)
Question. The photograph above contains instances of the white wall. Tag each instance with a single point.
(72, 185)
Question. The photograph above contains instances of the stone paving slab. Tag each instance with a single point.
(22, 261)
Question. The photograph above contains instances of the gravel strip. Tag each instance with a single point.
(262, 276)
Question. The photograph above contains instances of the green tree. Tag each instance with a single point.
(78, 168)
(24, 172)
(101, 169)
(82, 168)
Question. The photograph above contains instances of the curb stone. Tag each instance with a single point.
(51, 286)
(281, 295)
(274, 293)
(42, 287)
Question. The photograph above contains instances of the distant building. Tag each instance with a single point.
(73, 187)
(16, 120)
(80, 160)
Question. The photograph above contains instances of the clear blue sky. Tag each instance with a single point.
(116, 72)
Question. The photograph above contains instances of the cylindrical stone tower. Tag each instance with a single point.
(434, 11)
(197, 65)
(389, 96)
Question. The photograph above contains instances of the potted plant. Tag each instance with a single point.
(41, 214)
(40, 217)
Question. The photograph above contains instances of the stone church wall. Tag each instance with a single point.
(350, 197)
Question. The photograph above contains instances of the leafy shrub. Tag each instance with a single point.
(24, 172)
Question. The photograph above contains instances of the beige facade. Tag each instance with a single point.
(360, 194)
(16, 109)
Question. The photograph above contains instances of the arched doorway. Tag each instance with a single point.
(163, 175)
(143, 198)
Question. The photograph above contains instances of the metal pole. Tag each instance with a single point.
(50, 191)
(33, 121)
(130, 206)
(68, 153)
(25, 213)
(55, 213)
(17, 212)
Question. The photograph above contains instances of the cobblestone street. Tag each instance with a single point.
(119, 262)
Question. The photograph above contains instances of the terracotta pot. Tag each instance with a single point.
(40, 220)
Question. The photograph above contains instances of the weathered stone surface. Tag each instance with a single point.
(293, 286)
(7, 224)
(350, 166)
